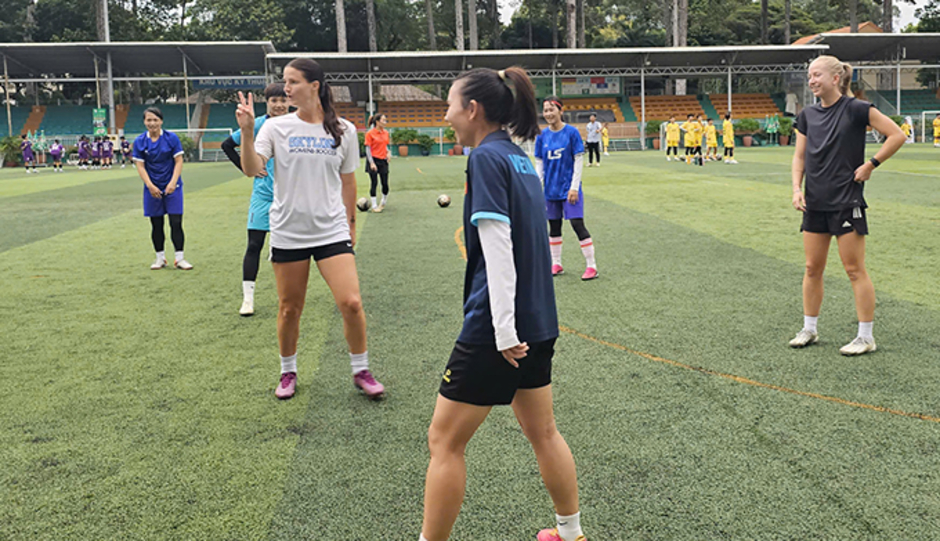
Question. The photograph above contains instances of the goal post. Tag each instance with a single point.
(208, 142)
(926, 125)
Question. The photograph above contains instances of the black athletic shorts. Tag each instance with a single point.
(280, 255)
(478, 374)
(836, 222)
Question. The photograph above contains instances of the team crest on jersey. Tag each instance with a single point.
(556, 154)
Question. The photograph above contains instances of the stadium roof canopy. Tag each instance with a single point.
(76, 60)
(882, 48)
(657, 61)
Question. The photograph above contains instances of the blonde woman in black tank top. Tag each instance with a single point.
(830, 152)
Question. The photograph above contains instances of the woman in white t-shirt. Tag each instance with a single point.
(315, 156)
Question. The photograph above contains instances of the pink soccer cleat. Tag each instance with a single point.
(589, 274)
(552, 535)
(557, 269)
(365, 382)
(286, 387)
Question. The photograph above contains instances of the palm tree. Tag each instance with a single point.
(887, 24)
(472, 19)
(853, 16)
(340, 26)
(458, 10)
(581, 9)
(572, 23)
(370, 21)
(432, 37)
(786, 22)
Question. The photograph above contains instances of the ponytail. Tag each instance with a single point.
(507, 97)
(845, 82)
(374, 119)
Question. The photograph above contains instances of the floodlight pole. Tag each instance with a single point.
(97, 85)
(898, 84)
(186, 93)
(6, 93)
(643, 107)
(107, 38)
(371, 103)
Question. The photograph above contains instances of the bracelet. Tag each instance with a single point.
(874, 162)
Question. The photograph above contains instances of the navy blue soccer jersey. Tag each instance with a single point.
(159, 156)
(502, 184)
(557, 151)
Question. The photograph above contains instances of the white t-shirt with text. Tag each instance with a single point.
(308, 209)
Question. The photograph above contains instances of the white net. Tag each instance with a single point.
(208, 142)
(926, 125)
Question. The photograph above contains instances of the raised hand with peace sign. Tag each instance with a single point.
(245, 113)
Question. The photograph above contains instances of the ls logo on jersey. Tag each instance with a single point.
(311, 145)
(555, 154)
(522, 164)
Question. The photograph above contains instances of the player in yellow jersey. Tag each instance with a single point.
(908, 128)
(605, 138)
(672, 139)
(689, 137)
(698, 128)
(711, 141)
(727, 135)
(936, 131)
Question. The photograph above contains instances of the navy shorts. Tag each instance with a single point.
(478, 374)
(168, 204)
(557, 210)
(835, 223)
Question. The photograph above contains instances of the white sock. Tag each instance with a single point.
(179, 255)
(809, 322)
(289, 364)
(569, 528)
(555, 244)
(587, 248)
(374, 203)
(161, 256)
(359, 361)
(248, 290)
(865, 328)
(384, 199)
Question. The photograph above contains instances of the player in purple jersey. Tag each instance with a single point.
(29, 159)
(96, 153)
(56, 151)
(83, 152)
(125, 152)
(107, 152)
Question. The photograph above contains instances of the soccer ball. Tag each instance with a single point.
(443, 201)
(364, 204)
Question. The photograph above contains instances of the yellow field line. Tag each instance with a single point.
(731, 377)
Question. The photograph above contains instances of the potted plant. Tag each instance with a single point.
(426, 143)
(747, 127)
(451, 136)
(401, 138)
(10, 151)
(786, 130)
(652, 131)
(362, 144)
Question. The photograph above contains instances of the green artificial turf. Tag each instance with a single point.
(138, 405)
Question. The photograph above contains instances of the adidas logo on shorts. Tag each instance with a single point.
(847, 224)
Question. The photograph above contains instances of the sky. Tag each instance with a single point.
(508, 7)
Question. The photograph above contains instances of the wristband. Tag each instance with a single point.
(874, 162)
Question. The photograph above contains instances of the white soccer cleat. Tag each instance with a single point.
(182, 264)
(859, 346)
(804, 338)
(158, 264)
(248, 308)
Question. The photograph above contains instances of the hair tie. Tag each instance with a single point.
(502, 75)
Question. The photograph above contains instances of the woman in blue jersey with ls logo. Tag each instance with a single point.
(559, 155)
(159, 158)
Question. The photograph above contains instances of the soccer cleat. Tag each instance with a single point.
(287, 386)
(248, 308)
(668, 159)
(858, 346)
(365, 382)
(182, 264)
(377, 209)
(551, 534)
(733, 161)
(557, 269)
(590, 273)
(158, 264)
(804, 338)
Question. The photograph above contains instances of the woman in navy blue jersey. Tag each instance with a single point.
(830, 153)
(504, 352)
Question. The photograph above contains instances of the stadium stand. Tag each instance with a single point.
(34, 120)
(174, 118)
(18, 116)
(354, 114)
(420, 114)
(67, 120)
(663, 107)
(578, 110)
(914, 102)
(746, 105)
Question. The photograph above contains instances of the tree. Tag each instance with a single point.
(458, 11)
(472, 19)
(763, 22)
(887, 19)
(429, 15)
(340, 26)
(786, 22)
(853, 16)
(572, 23)
(370, 20)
